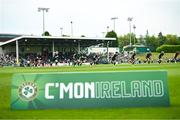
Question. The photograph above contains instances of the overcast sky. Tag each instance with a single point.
(90, 17)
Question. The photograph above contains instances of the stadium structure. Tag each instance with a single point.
(26, 44)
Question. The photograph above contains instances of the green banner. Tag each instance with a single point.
(89, 90)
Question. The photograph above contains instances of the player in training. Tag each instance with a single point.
(160, 57)
(114, 58)
(148, 57)
(132, 59)
(175, 56)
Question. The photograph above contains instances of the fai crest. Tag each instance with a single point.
(27, 91)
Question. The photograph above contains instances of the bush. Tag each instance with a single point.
(168, 48)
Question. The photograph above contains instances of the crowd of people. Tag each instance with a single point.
(47, 59)
(70, 58)
(7, 60)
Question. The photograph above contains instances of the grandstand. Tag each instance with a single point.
(13, 47)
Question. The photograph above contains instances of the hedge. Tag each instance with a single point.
(168, 48)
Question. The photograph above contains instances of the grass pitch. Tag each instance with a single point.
(108, 113)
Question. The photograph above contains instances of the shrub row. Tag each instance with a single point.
(168, 48)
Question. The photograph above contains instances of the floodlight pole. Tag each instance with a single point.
(107, 29)
(134, 27)
(43, 10)
(130, 19)
(61, 30)
(114, 19)
(103, 34)
(108, 51)
(53, 48)
(79, 47)
(71, 29)
(17, 52)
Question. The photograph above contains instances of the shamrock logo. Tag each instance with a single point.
(28, 90)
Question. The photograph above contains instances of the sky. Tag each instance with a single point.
(90, 17)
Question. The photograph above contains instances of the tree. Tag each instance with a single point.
(141, 40)
(172, 40)
(46, 33)
(83, 36)
(161, 39)
(123, 40)
(152, 42)
(178, 40)
(112, 34)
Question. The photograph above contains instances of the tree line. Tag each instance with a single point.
(150, 41)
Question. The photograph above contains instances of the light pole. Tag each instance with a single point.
(134, 27)
(61, 30)
(71, 29)
(43, 10)
(130, 19)
(103, 34)
(114, 19)
(107, 29)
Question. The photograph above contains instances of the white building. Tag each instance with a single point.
(102, 50)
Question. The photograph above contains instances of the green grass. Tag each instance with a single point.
(109, 113)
